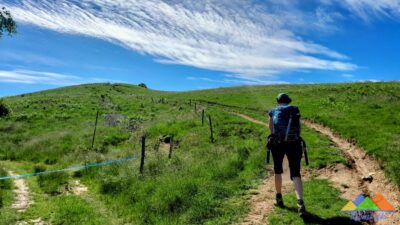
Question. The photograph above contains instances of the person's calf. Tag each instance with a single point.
(278, 183)
(298, 186)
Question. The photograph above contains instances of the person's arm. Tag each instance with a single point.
(271, 125)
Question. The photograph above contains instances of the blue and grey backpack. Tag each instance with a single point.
(286, 120)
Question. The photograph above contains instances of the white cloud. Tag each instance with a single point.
(347, 75)
(251, 81)
(368, 9)
(47, 78)
(29, 58)
(238, 37)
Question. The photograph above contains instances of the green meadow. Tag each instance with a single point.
(365, 113)
(204, 181)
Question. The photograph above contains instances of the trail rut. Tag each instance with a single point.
(347, 179)
(22, 199)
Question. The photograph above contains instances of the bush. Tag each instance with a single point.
(112, 185)
(143, 85)
(52, 183)
(39, 168)
(4, 185)
(115, 139)
(4, 109)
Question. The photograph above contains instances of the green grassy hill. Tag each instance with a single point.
(203, 182)
(366, 113)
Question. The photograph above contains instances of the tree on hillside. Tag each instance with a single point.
(143, 85)
(7, 23)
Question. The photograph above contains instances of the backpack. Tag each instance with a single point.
(286, 120)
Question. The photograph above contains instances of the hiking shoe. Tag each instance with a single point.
(279, 200)
(301, 208)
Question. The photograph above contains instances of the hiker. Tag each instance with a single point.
(284, 124)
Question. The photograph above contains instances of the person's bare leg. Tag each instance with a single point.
(278, 183)
(298, 186)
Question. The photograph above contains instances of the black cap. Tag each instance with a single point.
(283, 98)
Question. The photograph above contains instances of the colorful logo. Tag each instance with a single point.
(364, 208)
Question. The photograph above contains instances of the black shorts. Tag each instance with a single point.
(293, 152)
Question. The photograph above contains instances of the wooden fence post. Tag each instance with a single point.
(143, 154)
(171, 147)
(202, 117)
(195, 107)
(211, 129)
(95, 127)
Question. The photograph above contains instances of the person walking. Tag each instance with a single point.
(284, 124)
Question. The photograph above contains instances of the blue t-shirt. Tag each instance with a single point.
(281, 116)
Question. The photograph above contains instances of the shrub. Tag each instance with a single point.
(4, 110)
(143, 85)
(52, 183)
(39, 168)
(115, 139)
(4, 185)
(112, 185)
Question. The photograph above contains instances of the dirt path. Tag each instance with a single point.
(364, 165)
(22, 199)
(348, 180)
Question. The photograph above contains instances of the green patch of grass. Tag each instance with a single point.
(322, 203)
(6, 197)
(321, 151)
(366, 113)
(53, 183)
(5, 185)
(74, 210)
(202, 183)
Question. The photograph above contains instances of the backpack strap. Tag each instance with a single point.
(304, 148)
(288, 127)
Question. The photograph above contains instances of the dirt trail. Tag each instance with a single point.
(365, 165)
(37, 221)
(348, 180)
(22, 199)
(261, 200)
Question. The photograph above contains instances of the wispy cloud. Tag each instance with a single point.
(347, 75)
(46, 78)
(238, 37)
(371, 9)
(251, 81)
(29, 58)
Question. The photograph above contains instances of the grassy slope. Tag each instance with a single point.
(367, 113)
(203, 182)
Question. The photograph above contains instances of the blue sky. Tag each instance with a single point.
(186, 45)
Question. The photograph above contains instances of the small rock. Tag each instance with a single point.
(368, 178)
(345, 186)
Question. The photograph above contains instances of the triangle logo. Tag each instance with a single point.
(382, 203)
(366, 205)
(349, 207)
(358, 200)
